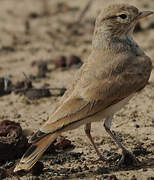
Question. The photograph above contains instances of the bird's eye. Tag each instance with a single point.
(123, 16)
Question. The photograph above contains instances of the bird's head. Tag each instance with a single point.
(119, 19)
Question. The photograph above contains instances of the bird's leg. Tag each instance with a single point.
(127, 157)
(87, 129)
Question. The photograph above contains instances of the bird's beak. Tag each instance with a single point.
(143, 14)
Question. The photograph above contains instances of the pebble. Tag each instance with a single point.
(137, 126)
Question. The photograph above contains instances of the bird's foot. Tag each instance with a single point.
(128, 159)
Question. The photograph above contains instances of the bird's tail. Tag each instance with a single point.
(35, 151)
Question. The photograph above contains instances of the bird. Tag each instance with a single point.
(116, 69)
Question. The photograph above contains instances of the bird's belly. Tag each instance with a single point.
(111, 109)
(100, 115)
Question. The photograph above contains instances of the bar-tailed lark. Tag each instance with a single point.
(116, 69)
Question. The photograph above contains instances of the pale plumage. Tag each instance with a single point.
(115, 70)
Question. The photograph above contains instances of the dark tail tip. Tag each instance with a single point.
(37, 136)
(31, 149)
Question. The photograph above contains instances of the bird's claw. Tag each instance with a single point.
(128, 159)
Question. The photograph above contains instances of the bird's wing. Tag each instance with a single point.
(92, 94)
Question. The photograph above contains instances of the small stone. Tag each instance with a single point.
(17, 115)
(83, 159)
(34, 15)
(137, 126)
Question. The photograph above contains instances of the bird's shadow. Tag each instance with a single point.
(101, 168)
(148, 163)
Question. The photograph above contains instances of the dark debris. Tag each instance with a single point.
(42, 67)
(60, 61)
(37, 169)
(62, 143)
(140, 150)
(73, 60)
(63, 61)
(37, 93)
(26, 88)
(12, 142)
(5, 86)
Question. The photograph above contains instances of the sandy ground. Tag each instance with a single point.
(44, 38)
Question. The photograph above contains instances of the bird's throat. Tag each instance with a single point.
(107, 42)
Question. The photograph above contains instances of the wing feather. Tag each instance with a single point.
(93, 94)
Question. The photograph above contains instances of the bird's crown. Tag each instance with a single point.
(118, 13)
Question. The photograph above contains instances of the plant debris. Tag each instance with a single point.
(61, 143)
(42, 67)
(12, 141)
(63, 61)
(37, 93)
(5, 86)
(60, 61)
(73, 60)
(27, 89)
(22, 86)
